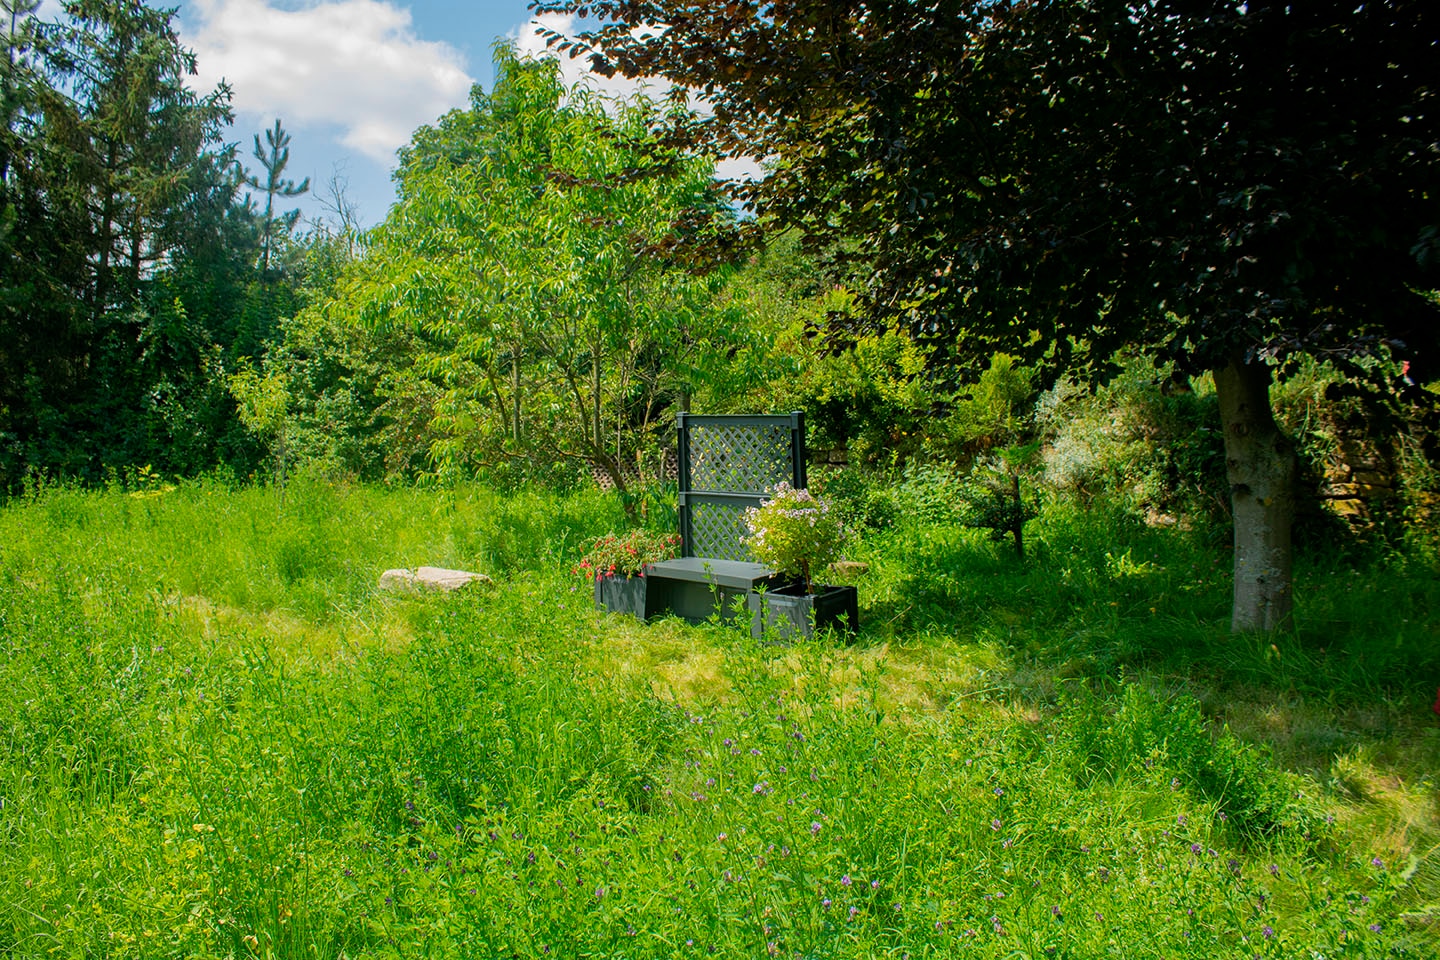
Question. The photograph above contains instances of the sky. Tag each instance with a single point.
(351, 80)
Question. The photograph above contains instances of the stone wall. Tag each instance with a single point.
(1359, 478)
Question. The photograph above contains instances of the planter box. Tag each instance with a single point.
(787, 613)
(621, 594)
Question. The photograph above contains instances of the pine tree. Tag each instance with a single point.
(274, 156)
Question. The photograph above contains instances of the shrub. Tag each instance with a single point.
(626, 554)
(859, 499)
(1147, 439)
(795, 533)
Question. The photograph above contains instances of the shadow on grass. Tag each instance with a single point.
(1102, 595)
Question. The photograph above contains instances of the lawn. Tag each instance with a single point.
(221, 741)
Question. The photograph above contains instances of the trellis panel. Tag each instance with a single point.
(728, 464)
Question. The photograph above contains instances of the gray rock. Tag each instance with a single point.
(848, 569)
(397, 580)
(429, 578)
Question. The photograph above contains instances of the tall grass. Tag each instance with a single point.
(220, 741)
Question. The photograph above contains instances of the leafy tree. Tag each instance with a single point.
(1224, 185)
(41, 328)
(993, 500)
(274, 157)
(264, 405)
(533, 258)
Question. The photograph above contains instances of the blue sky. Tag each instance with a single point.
(350, 79)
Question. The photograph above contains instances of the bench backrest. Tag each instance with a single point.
(728, 464)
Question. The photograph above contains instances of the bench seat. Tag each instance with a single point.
(695, 588)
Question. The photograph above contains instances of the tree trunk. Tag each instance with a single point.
(598, 433)
(515, 391)
(617, 476)
(1261, 466)
(1019, 528)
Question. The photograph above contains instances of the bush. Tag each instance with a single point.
(861, 499)
(1146, 439)
(795, 533)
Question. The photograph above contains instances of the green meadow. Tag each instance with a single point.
(221, 741)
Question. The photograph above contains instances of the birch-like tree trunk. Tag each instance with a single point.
(1261, 466)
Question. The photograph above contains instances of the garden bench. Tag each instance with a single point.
(727, 464)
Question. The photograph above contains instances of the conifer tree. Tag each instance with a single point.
(274, 156)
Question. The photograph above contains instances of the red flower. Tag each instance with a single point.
(1436, 708)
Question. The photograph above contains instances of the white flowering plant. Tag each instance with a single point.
(795, 533)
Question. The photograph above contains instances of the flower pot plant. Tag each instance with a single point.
(798, 535)
(616, 565)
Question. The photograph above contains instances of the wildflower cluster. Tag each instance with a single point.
(627, 554)
(795, 533)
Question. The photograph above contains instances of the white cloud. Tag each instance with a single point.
(529, 43)
(356, 64)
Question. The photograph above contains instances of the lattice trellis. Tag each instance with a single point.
(728, 464)
(740, 459)
(717, 530)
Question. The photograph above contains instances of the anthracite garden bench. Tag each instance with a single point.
(727, 464)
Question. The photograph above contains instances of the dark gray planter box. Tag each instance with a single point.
(787, 613)
(621, 594)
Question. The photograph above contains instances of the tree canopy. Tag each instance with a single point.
(533, 256)
(1071, 176)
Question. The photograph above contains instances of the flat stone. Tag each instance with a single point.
(429, 578)
(398, 580)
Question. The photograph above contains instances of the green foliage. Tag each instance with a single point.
(1346, 431)
(795, 533)
(626, 554)
(920, 492)
(872, 397)
(1017, 218)
(129, 285)
(996, 411)
(1146, 439)
(859, 499)
(530, 297)
(993, 500)
(263, 404)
